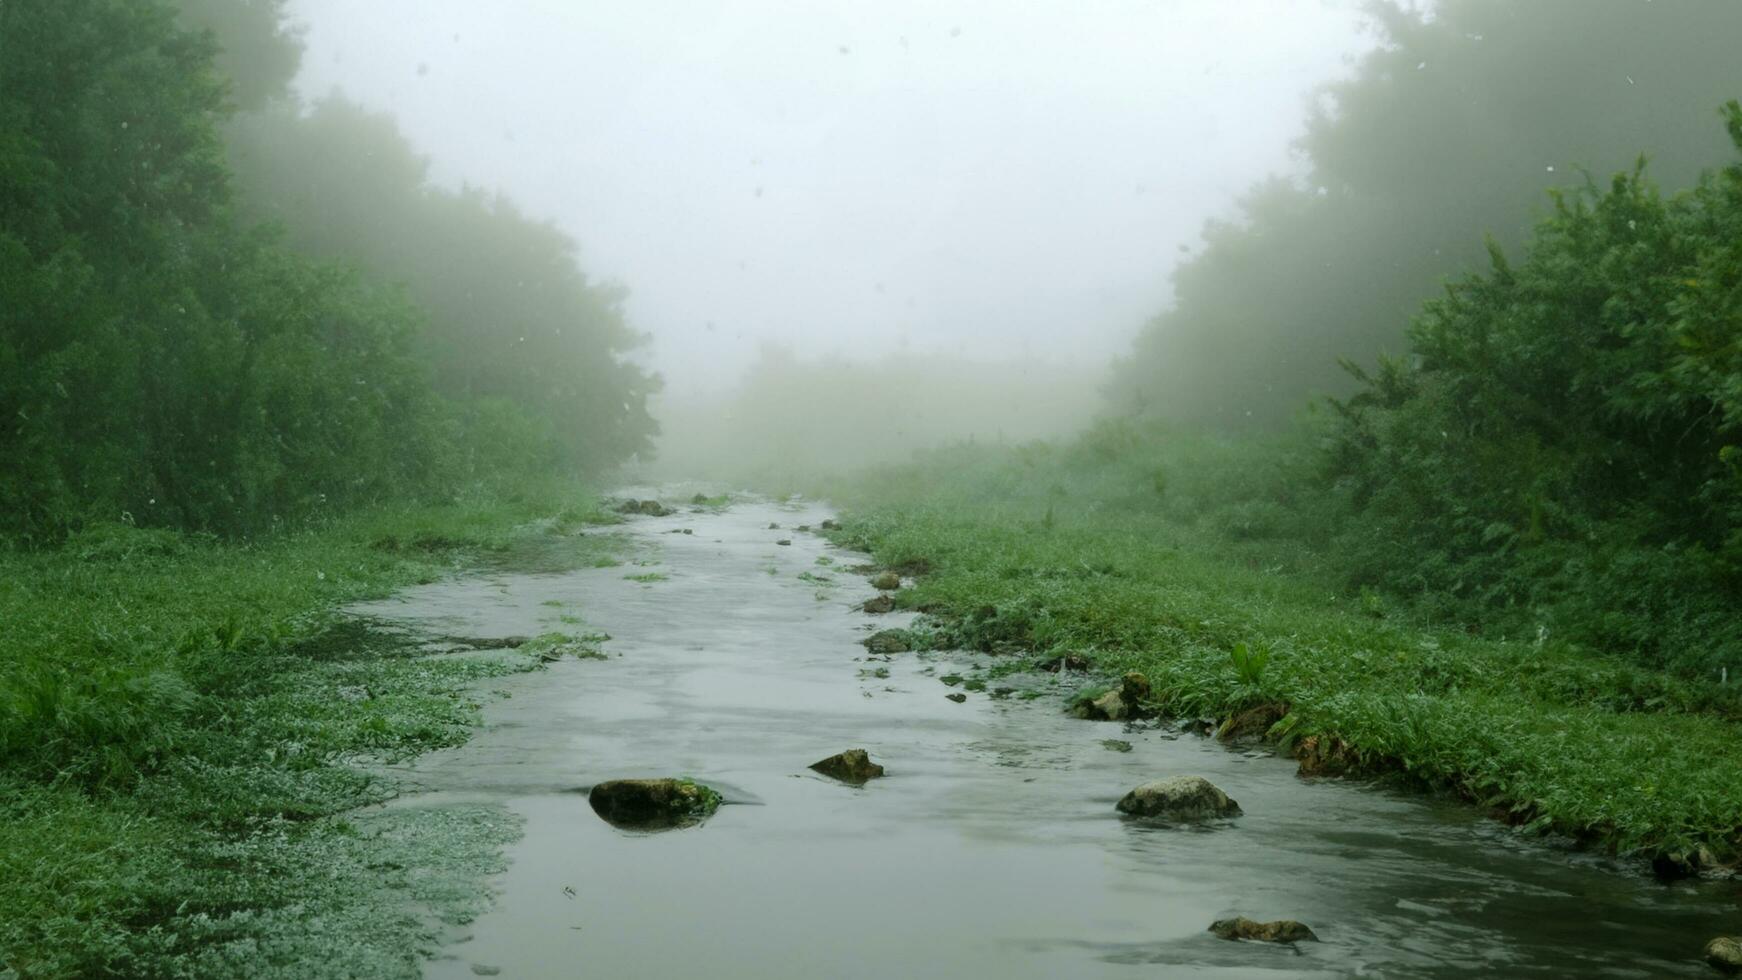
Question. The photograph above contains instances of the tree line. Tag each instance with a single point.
(221, 309)
(1551, 438)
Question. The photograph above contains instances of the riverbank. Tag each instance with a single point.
(1544, 735)
(186, 726)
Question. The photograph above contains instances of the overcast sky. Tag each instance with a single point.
(1002, 176)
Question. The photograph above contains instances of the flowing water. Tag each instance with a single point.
(991, 849)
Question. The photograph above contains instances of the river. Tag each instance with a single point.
(991, 849)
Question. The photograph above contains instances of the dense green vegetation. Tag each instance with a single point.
(1450, 130)
(529, 347)
(217, 433)
(1168, 570)
(1507, 565)
(1557, 458)
(1564, 439)
(181, 718)
(164, 362)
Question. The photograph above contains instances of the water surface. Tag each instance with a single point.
(991, 849)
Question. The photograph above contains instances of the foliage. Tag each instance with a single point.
(1563, 439)
(1452, 128)
(181, 717)
(1559, 736)
(515, 331)
(1249, 662)
(163, 365)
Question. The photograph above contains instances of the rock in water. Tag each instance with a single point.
(958, 698)
(886, 581)
(1725, 953)
(1123, 702)
(1280, 931)
(1134, 688)
(653, 804)
(1252, 723)
(889, 641)
(881, 604)
(1109, 707)
(831, 525)
(1179, 798)
(852, 766)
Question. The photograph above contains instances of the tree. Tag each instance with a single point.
(1450, 130)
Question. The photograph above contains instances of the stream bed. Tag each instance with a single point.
(991, 849)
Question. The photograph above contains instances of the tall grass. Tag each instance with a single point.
(1050, 551)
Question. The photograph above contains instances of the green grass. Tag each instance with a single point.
(183, 722)
(1551, 736)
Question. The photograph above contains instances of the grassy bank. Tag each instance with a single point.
(1039, 551)
(185, 723)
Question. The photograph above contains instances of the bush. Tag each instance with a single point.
(1563, 439)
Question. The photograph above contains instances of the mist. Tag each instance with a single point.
(491, 486)
(972, 180)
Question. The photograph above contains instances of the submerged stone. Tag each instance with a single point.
(889, 641)
(1280, 931)
(880, 604)
(958, 697)
(1725, 953)
(653, 804)
(1179, 798)
(852, 766)
(886, 581)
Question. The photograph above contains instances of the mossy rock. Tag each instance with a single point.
(1280, 931)
(1127, 701)
(1179, 799)
(1253, 722)
(653, 804)
(852, 766)
(889, 641)
(1725, 954)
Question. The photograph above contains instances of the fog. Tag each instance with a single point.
(978, 181)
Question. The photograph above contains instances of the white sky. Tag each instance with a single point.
(1002, 177)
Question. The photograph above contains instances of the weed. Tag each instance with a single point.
(1249, 662)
